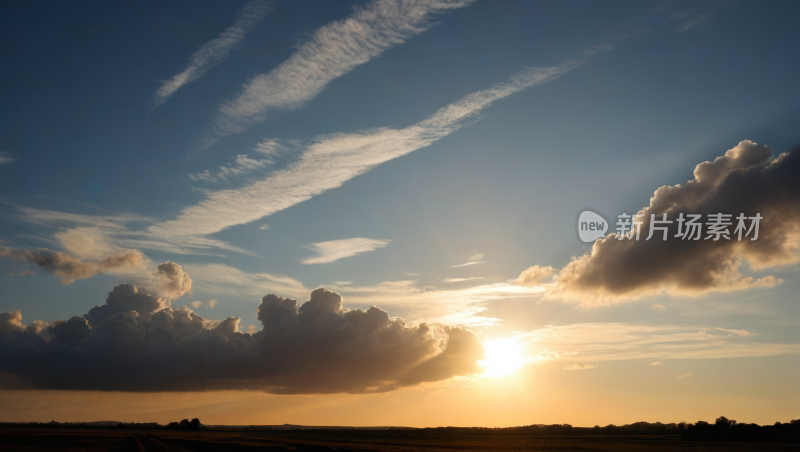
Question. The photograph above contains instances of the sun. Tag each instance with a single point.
(503, 357)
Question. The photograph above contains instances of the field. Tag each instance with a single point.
(344, 440)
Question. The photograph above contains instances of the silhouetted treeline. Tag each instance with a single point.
(186, 424)
(721, 430)
(729, 430)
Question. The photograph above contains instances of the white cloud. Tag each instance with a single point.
(196, 304)
(333, 50)
(212, 303)
(475, 257)
(686, 375)
(743, 333)
(263, 227)
(659, 307)
(451, 280)
(466, 264)
(622, 341)
(578, 367)
(334, 250)
(213, 52)
(333, 159)
(655, 363)
(221, 278)
(242, 166)
(462, 306)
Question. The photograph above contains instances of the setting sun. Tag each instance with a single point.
(503, 357)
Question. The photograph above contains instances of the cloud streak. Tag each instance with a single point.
(335, 159)
(213, 52)
(334, 250)
(333, 50)
(594, 342)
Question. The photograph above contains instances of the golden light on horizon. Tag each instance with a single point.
(503, 357)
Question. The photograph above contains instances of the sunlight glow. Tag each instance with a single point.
(503, 357)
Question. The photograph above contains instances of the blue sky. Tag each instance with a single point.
(627, 97)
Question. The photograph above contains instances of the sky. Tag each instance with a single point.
(366, 213)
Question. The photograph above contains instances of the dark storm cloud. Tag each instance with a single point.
(745, 180)
(137, 342)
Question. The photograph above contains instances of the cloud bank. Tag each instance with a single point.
(213, 52)
(333, 50)
(745, 180)
(138, 342)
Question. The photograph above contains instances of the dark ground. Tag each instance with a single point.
(320, 441)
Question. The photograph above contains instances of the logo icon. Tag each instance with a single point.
(591, 226)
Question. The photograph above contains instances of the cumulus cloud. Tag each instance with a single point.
(69, 269)
(213, 52)
(138, 342)
(578, 367)
(535, 275)
(746, 180)
(168, 280)
(198, 304)
(334, 250)
(333, 50)
(172, 281)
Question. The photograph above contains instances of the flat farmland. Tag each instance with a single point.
(346, 440)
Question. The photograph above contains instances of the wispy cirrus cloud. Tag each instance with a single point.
(5, 157)
(333, 250)
(743, 333)
(595, 342)
(333, 50)
(466, 264)
(221, 278)
(334, 159)
(213, 52)
(452, 280)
